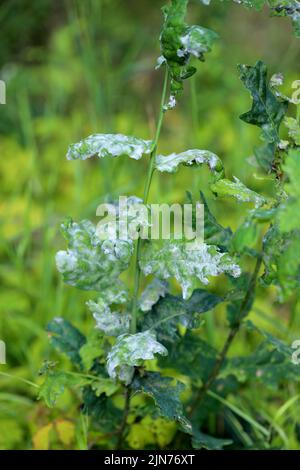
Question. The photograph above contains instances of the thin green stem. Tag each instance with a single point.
(20, 379)
(151, 167)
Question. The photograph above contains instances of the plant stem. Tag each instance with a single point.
(137, 271)
(151, 167)
(124, 418)
(232, 333)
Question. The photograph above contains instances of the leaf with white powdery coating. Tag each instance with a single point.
(91, 263)
(236, 189)
(109, 145)
(130, 351)
(152, 293)
(170, 163)
(187, 262)
(111, 323)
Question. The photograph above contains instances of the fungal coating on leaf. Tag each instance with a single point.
(111, 323)
(90, 263)
(152, 293)
(170, 163)
(130, 351)
(179, 42)
(109, 145)
(178, 260)
(238, 190)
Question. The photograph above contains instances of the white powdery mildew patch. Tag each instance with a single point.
(109, 145)
(196, 41)
(89, 263)
(152, 294)
(178, 261)
(130, 351)
(169, 163)
(111, 323)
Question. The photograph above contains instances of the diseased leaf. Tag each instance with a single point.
(130, 351)
(204, 441)
(293, 128)
(152, 293)
(66, 338)
(111, 323)
(170, 163)
(102, 411)
(266, 365)
(187, 262)
(289, 208)
(109, 145)
(165, 392)
(236, 189)
(171, 311)
(55, 384)
(91, 263)
(104, 385)
(267, 110)
(289, 8)
(180, 42)
(281, 257)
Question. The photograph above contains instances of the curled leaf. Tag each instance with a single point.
(109, 145)
(238, 190)
(130, 351)
(170, 163)
(91, 263)
(152, 294)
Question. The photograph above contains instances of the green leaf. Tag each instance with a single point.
(192, 356)
(91, 263)
(152, 293)
(293, 128)
(171, 162)
(109, 145)
(214, 233)
(92, 349)
(187, 262)
(237, 190)
(171, 311)
(165, 392)
(238, 306)
(104, 385)
(267, 110)
(288, 209)
(279, 345)
(66, 338)
(245, 236)
(204, 441)
(179, 43)
(130, 351)
(281, 257)
(55, 383)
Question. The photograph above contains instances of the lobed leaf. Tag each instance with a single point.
(187, 262)
(236, 189)
(111, 323)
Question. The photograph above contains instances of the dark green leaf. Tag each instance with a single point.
(66, 338)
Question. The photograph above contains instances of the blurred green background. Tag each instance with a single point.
(74, 67)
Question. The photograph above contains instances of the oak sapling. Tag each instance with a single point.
(133, 328)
